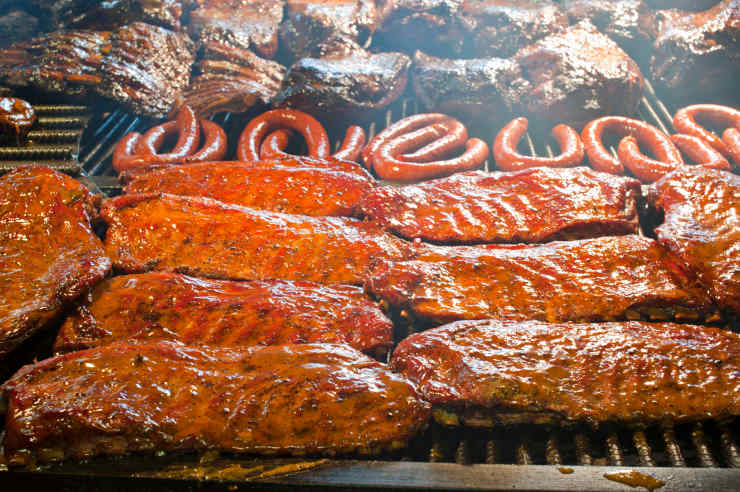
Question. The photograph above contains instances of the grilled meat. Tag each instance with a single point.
(578, 75)
(48, 252)
(599, 279)
(534, 205)
(142, 67)
(207, 238)
(17, 25)
(66, 62)
(483, 92)
(291, 399)
(147, 68)
(292, 190)
(317, 28)
(231, 79)
(165, 306)
(631, 372)
(702, 226)
(433, 26)
(345, 88)
(245, 24)
(17, 116)
(501, 27)
(696, 54)
(628, 22)
(101, 14)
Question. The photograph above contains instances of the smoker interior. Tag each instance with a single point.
(440, 458)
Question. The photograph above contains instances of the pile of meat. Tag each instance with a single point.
(250, 289)
(481, 62)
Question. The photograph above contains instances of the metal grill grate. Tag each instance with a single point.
(706, 444)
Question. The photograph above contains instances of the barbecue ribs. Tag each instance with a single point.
(290, 399)
(702, 226)
(48, 253)
(204, 237)
(534, 205)
(165, 306)
(599, 279)
(486, 372)
(292, 190)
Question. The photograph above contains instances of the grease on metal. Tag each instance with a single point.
(635, 479)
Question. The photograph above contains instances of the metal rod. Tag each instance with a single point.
(702, 448)
(614, 450)
(583, 452)
(729, 446)
(644, 452)
(552, 451)
(672, 447)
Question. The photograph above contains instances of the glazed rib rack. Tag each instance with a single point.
(682, 448)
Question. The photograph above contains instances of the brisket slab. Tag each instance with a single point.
(601, 279)
(49, 254)
(534, 205)
(207, 238)
(490, 371)
(702, 226)
(289, 399)
(165, 306)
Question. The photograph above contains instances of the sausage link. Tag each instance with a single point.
(700, 151)
(642, 167)
(731, 138)
(125, 149)
(188, 128)
(685, 122)
(275, 144)
(649, 136)
(354, 141)
(443, 147)
(402, 126)
(509, 159)
(250, 140)
(214, 143)
(388, 165)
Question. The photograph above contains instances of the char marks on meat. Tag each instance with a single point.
(290, 399)
(628, 22)
(203, 237)
(66, 62)
(165, 306)
(501, 27)
(231, 79)
(245, 24)
(49, 254)
(702, 226)
(293, 190)
(633, 372)
(481, 92)
(696, 54)
(347, 88)
(433, 26)
(140, 66)
(578, 75)
(534, 205)
(318, 28)
(99, 14)
(146, 68)
(600, 279)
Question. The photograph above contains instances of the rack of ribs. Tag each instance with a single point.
(294, 190)
(600, 279)
(286, 399)
(165, 306)
(207, 238)
(489, 372)
(534, 205)
(49, 254)
(702, 226)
